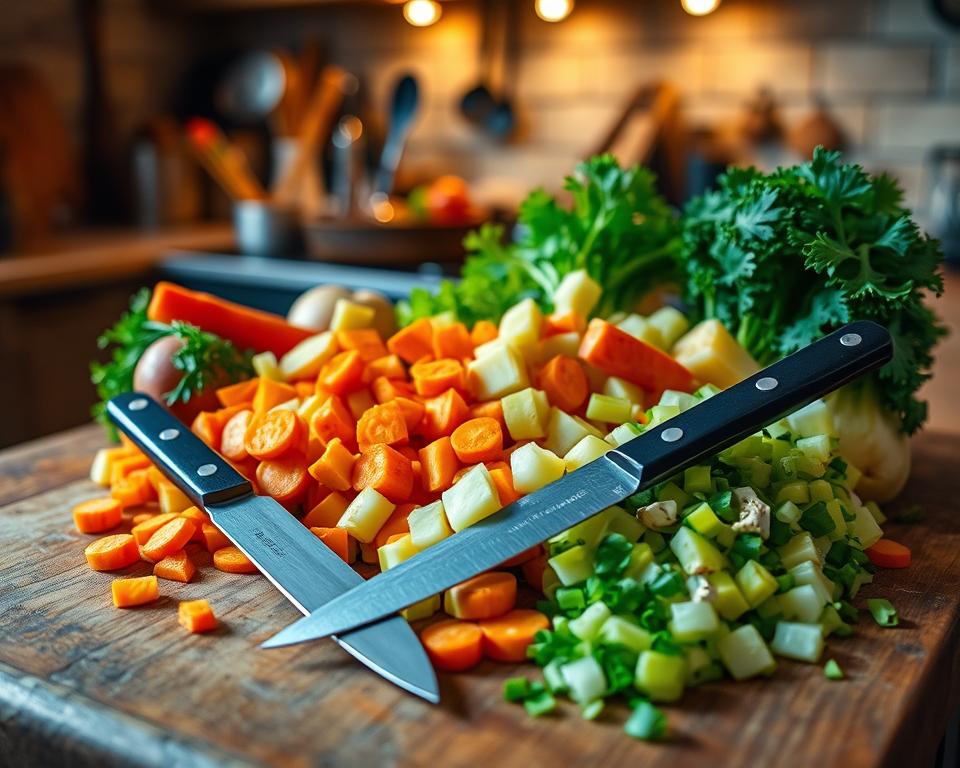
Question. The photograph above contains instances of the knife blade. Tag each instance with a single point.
(710, 426)
(305, 570)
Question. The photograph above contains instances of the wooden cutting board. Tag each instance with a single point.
(85, 684)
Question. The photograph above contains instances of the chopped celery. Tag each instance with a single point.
(672, 492)
(799, 549)
(832, 671)
(570, 599)
(816, 447)
(729, 601)
(661, 676)
(646, 722)
(585, 680)
(681, 400)
(707, 390)
(704, 521)
(553, 676)
(814, 419)
(883, 612)
(788, 513)
(540, 704)
(820, 490)
(803, 603)
(810, 573)
(692, 621)
(798, 492)
(572, 566)
(619, 631)
(865, 528)
(803, 642)
(613, 410)
(745, 654)
(662, 413)
(592, 710)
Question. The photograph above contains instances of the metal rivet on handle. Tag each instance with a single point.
(205, 470)
(170, 434)
(766, 383)
(671, 434)
(138, 405)
(851, 339)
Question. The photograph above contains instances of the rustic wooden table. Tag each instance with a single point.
(84, 684)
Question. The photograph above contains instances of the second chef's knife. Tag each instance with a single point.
(304, 569)
(658, 453)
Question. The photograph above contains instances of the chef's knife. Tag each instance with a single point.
(658, 453)
(304, 569)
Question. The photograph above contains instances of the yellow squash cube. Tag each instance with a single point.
(525, 413)
(534, 467)
(473, 498)
(497, 374)
(366, 514)
(348, 316)
(305, 360)
(577, 292)
(713, 356)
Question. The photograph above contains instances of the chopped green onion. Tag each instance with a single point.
(541, 704)
(883, 612)
(646, 722)
(592, 710)
(516, 689)
(817, 520)
(832, 671)
(570, 599)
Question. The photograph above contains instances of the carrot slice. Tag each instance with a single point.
(241, 392)
(387, 390)
(169, 539)
(97, 515)
(452, 341)
(478, 440)
(332, 419)
(234, 433)
(112, 552)
(342, 373)
(482, 597)
(437, 376)
(565, 383)
(135, 591)
(326, 513)
(382, 424)
(285, 479)
(483, 331)
(232, 560)
(453, 646)
(334, 468)
(176, 567)
(122, 467)
(272, 434)
(388, 366)
(142, 518)
(207, 427)
(366, 341)
(887, 553)
(196, 616)
(213, 537)
(338, 539)
(385, 470)
(443, 414)
(413, 342)
(439, 463)
(143, 531)
(507, 637)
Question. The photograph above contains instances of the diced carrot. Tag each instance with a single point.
(507, 637)
(484, 596)
(555, 323)
(327, 513)
(232, 560)
(453, 646)
(565, 383)
(443, 414)
(112, 552)
(439, 464)
(285, 479)
(334, 468)
(305, 388)
(409, 451)
(412, 412)
(617, 353)
(342, 373)
(232, 438)
(171, 538)
(382, 424)
(478, 440)
(199, 517)
(176, 567)
(437, 376)
(452, 341)
(339, 541)
(492, 409)
(241, 392)
(271, 393)
(196, 616)
(887, 553)
(396, 524)
(124, 466)
(132, 490)
(271, 435)
(388, 366)
(503, 481)
(387, 390)
(527, 554)
(97, 515)
(413, 342)
(366, 341)
(128, 593)
(368, 553)
(213, 537)
(332, 419)
(360, 401)
(385, 470)
(532, 571)
(482, 332)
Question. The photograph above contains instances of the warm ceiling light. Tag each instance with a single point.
(421, 13)
(699, 7)
(554, 10)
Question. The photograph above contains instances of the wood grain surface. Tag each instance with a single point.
(84, 684)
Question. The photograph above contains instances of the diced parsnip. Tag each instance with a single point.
(744, 653)
(525, 413)
(422, 610)
(755, 583)
(639, 328)
(623, 389)
(567, 344)
(391, 555)
(497, 374)
(589, 448)
(803, 603)
(348, 316)
(265, 365)
(471, 499)
(812, 419)
(577, 292)
(587, 625)
(660, 675)
(520, 325)
(713, 356)
(671, 323)
(696, 554)
(620, 631)
(305, 360)
(365, 515)
(428, 525)
(564, 431)
(534, 467)
(572, 565)
(728, 599)
(690, 621)
(800, 641)
(584, 679)
(612, 410)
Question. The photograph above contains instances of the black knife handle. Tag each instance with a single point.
(765, 397)
(205, 476)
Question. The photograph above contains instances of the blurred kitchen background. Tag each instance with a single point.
(138, 138)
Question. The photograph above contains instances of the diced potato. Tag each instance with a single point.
(564, 431)
(265, 365)
(713, 356)
(520, 325)
(534, 467)
(526, 413)
(623, 389)
(489, 347)
(305, 360)
(589, 448)
(639, 328)
(577, 292)
(366, 514)
(559, 344)
(391, 555)
(728, 599)
(497, 374)
(800, 641)
(428, 525)
(671, 323)
(755, 582)
(473, 498)
(171, 499)
(348, 315)
(422, 610)
(612, 410)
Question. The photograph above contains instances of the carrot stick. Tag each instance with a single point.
(382, 424)
(453, 646)
(414, 342)
(169, 539)
(232, 560)
(342, 373)
(887, 553)
(332, 419)
(273, 434)
(246, 328)
(285, 479)
(506, 637)
(175, 567)
(338, 539)
(565, 383)
(97, 515)
(482, 597)
(434, 377)
(439, 464)
(232, 438)
(478, 440)
(386, 471)
(443, 414)
(136, 591)
(112, 552)
(196, 616)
